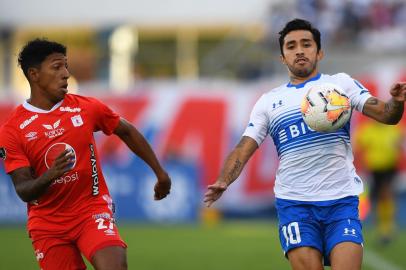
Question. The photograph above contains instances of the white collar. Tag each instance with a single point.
(32, 108)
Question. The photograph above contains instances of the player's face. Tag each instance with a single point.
(300, 54)
(52, 77)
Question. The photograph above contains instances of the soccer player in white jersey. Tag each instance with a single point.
(316, 185)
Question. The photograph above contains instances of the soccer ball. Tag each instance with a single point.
(326, 108)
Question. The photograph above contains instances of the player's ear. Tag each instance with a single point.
(282, 59)
(320, 55)
(33, 74)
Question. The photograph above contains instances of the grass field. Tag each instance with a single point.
(228, 246)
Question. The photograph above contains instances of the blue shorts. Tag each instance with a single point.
(321, 224)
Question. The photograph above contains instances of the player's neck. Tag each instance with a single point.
(45, 105)
(41, 102)
(295, 80)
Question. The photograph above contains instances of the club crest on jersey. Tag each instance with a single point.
(3, 153)
(53, 130)
(77, 120)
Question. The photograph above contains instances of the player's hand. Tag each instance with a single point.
(162, 187)
(214, 192)
(62, 164)
(398, 91)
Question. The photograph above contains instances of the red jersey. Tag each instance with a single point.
(32, 137)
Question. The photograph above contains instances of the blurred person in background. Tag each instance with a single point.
(380, 147)
(49, 151)
(316, 186)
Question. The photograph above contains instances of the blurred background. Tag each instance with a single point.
(187, 74)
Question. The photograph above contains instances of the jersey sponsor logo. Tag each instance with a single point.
(55, 150)
(66, 178)
(53, 130)
(3, 153)
(77, 120)
(31, 135)
(294, 131)
(95, 173)
(69, 109)
(28, 121)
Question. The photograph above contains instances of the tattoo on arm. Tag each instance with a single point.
(389, 112)
(394, 111)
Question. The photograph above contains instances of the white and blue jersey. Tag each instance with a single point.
(313, 166)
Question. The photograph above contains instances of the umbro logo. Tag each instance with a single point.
(31, 135)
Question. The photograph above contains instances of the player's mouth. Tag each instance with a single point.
(64, 87)
(301, 60)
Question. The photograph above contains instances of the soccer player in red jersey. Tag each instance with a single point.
(49, 151)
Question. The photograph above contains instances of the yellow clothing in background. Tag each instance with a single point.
(380, 145)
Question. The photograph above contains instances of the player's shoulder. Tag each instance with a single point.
(342, 76)
(79, 98)
(79, 102)
(16, 118)
(275, 91)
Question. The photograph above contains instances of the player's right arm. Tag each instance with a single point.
(29, 187)
(232, 168)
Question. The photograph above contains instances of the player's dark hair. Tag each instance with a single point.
(35, 52)
(299, 24)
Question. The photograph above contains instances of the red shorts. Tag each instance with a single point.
(85, 235)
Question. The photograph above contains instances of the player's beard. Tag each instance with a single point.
(303, 72)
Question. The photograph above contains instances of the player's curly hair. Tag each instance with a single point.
(35, 52)
(299, 24)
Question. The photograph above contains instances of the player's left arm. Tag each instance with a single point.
(139, 145)
(389, 112)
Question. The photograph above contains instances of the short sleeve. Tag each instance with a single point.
(357, 93)
(106, 119)
(11, 150)
(259, 122)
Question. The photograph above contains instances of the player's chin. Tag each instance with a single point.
(303, 72)
(60, 93)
